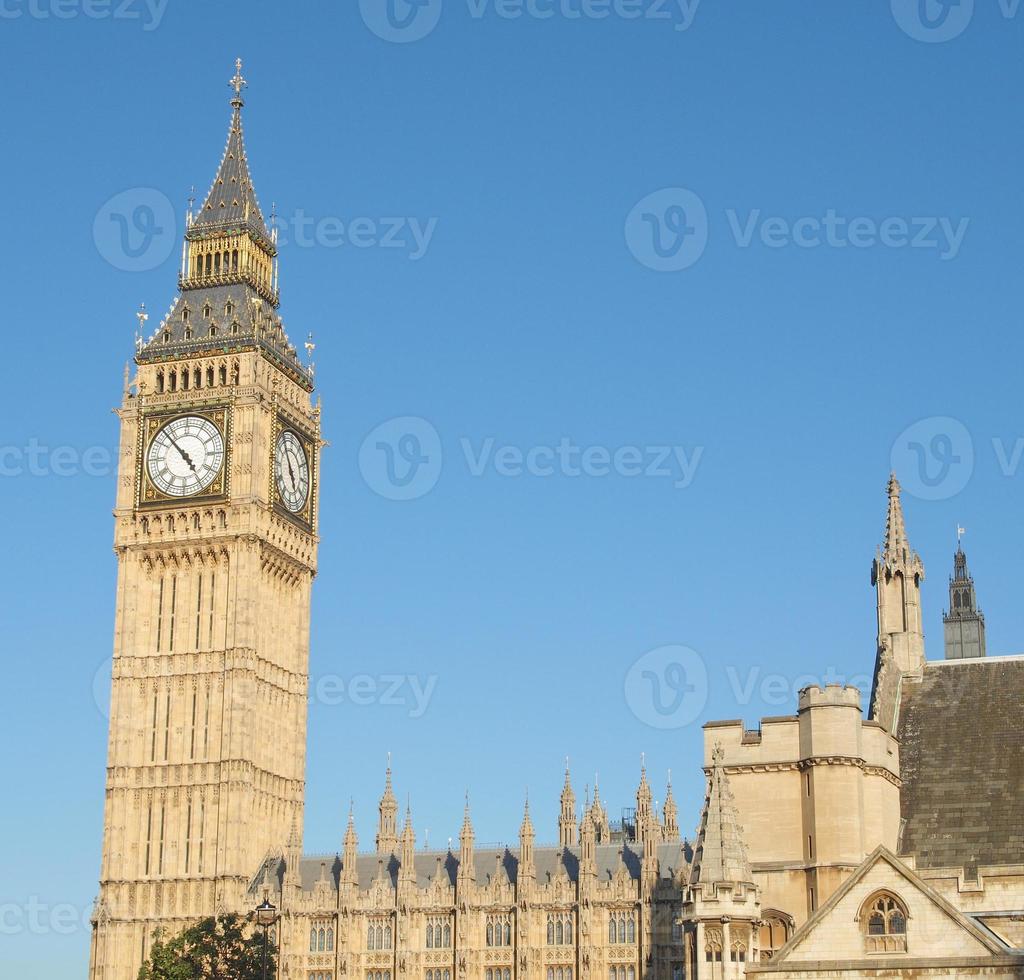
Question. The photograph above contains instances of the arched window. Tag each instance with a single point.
(322, 941)
(611, 938)
(430, 935)
(370, 944)
(312, 940)
(159, 382)
(330, 939)
(568, 930)
(209, 377)
(776, 928)
(447, 940)
(611, 973)
(551, 931)
(490, 934)
(508, 934)
(559, 933)
(507, 974)
(884, 923)
(631, 930)
(387, 937)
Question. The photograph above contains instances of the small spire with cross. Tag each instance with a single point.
(238, 83)
(191, 205)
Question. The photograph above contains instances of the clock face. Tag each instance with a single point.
(185, 456)
(291, 471)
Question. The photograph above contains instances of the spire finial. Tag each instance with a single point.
(142, 316)
(960, 532)
(238, 83)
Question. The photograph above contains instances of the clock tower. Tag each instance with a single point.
(216, 541)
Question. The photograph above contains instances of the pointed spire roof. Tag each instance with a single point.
(467, 823)
(896, 544)
(720, 854)
(389, 793)
(644, 789)
(526, 827)
(351, 840)
(231, 201)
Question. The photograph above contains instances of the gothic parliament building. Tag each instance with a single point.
(844, 840)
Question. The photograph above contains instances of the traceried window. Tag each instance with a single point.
(378, 975)
(498, 931)
(320, 975)
(884, 923)
(712, 946)
(559, 973)
(774, 933)
(438, 975)
(439, 934)
(498, 974)
(622, 972)
(560, 929)
(378, 935)
(622, 927)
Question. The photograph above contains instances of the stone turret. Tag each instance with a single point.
(963, 624)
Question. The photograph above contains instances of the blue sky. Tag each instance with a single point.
(781, 245)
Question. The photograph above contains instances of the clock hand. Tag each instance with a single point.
(184, 455)
(291, 472)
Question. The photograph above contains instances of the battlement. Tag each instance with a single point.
(832, 695)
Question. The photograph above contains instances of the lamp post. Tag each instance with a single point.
(265, 915)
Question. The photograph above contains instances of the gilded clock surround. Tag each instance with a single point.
(304, 517)
(151, 495)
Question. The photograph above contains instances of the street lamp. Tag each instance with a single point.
(265, 915)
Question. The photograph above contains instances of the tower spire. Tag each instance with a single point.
(387, 824)
(963, 624)
(896, 574)
(567, 812)
(229, 259)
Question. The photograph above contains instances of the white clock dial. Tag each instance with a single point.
(186, 456)
(291, 471)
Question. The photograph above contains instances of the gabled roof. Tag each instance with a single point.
(984, 943)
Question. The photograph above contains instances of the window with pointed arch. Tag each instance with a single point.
(712, 946)
(499, 930)
(621, 927)
(560, 929)
(559, 973)
(378, 975)
(738, 951)
(622, 972)
(773, 933)
(319, 975)
(438, 975)
(439, 933)
(378, 935)
(496, 974)
(883, 919)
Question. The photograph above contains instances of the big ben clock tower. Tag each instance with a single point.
(216, 540)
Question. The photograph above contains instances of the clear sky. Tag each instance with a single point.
(768, 237)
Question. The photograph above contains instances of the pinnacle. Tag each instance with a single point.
(720, 854)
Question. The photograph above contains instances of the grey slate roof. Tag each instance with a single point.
(231, 202)
(674, 860)
(961, 728)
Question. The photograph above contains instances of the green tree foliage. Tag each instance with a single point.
(225, 948)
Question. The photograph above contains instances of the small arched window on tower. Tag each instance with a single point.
(159, 382)
(776, 928)
(172, 381)
(209, 377)
(213, 329)
(883, 919)
(206, 311)
(222, 375)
